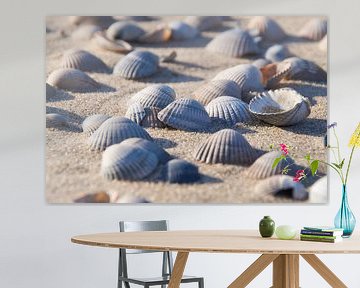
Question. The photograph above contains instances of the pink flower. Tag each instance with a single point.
(284, 149)
(300, 174)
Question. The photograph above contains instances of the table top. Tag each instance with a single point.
(217, 241)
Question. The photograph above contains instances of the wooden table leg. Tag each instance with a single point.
(178, 269)
(286, 271)
(253, 270)
(324, 271)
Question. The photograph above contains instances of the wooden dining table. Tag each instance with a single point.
(283, 254)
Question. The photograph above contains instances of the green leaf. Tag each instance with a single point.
(342, 164)
(314, 167)
(277, 161)
(307, 157)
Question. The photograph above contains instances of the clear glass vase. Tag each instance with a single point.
(345, 219)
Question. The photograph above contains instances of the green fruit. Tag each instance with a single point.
(285, 232)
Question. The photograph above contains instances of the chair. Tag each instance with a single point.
(167, 262)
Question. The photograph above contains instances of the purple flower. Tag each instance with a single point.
(332, 125)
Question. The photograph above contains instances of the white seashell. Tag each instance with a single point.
(323, 44)
(158, 35)
(226, 146)
(85, 32)
(181, 172)
(314, 30)
(115, 130)
(124, 30)
(185, 114)
(204, 23)
(50, 91)
(151, 118)
(281, 186)
(267, 28)
(233, 43)
(137, 64)
(101, 21)
(83, 60)
(182, 31)
(277, 53)
(127, 162)
(158, 95)
(118, 46)
(216, 88)
(318, 192)
(263, 167)
(231, 110)
(273, 73)
(260, 63)
(136, 113)
(305, 70)
(282, 107)
(54, 120)
(93, 122)
(72, 80)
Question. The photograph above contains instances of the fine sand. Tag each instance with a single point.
(72, 170)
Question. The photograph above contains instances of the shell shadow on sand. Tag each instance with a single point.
(197, 42)
(166, 75)
(310, 126)
(165, 143)
(60, 95)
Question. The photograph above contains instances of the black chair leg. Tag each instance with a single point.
(201, 283)
(127, 285)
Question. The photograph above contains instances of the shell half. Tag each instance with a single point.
(305, 70)
(124, 30)
(181, 172)
(93, 122)
(84, 61)
(182, 31)
(204, 23)
(277, 53)
(267, 28)
(314, 30)
(118, 46)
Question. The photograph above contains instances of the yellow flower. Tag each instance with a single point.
(355, 138)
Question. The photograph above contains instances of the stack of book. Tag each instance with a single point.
(321, 234)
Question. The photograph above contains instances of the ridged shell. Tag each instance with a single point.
(282, 107)
(137, 64)
(323, 44)
(101, 21)
(158, 95)
(158, 35)
(150, 146)
(72, 80)
(124, 30)
(50, 91)
(185, 114)
(144, 116)
(282, 186)
(204, 23)
(267, 28)
(181, 172)
(135, 113)
(98, 197)
(216, 88)
(231, 110)
(83, 60)
(263, 167)
(318, 192)
(305, 70)
(85, 32)
(273, 73)
(127, 162)
(247, 76)
(261, 62)
(226, 146)
(93, 122)
(115, 130)
(314, 30)
(182, 31)
(277, 53)
(233, 43)
(54, 120)
(118, 46)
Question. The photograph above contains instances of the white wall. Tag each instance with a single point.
(35, 248)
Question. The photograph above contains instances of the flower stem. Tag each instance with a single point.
(336, 169)
(339, 154)
(350, 159)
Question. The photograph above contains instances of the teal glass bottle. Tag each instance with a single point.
(267, 227)
(345, 219)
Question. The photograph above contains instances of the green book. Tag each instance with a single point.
(319, 236)
(324, 229)
(325, 240)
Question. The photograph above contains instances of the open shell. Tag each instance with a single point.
(226, 146)
(115, 130)
(277, 53)
(93, 122)
(282, 107)
(216, 88)
(118, 46)
(273, 73)
(83, 60)
(144, 116)
(204, 23)
(73, 80)
(305, 70)
(314, 30)
(54, 120)
(182, 31)
(137, 64)
(185, 114)
(124, 30)
(127, 162)
(229, 109)
(281, 186)
(157, 95)
(233, 43)
(267, 28)
(85, 32)
(181, 172)
(318, 192)
(101, 21)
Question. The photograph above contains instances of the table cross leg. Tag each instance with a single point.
(178, 270)
(286, 271)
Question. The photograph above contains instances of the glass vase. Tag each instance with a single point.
(345, 219)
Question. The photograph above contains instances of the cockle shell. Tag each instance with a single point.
(115, 130)
(277, 53)
(282, 107)
(118, 46)
(157, 95)
(216, 88)
(158, 35)
(305, 70)
(273, 73)
(127, 162)
(233, 43)
(83, 60)
(281, 186)
(85, 32)
(261, 62)
(101, 21)
(182, 31)
(314, 30)
(73, 80)
(93, 122)
(323, 44)
(267, 28)
(226, 146)
(144, 116)
(229, 109)
(137, 64)
(185, 114)
(50, 91)
(124, 30)
(204, 23)
(54, 120)
(263, 167)
(318, 192)
(181, 172)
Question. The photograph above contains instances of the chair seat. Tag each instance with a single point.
(158, 280)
